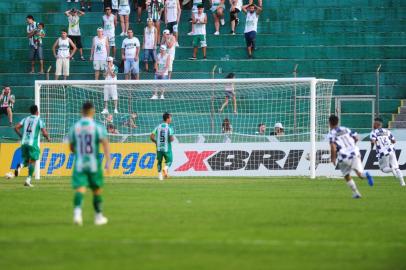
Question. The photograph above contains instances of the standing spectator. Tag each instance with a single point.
(169, 40)
(161, 67)
(261, 129)
(229, 91)
(7, 103)
(109, 28)
(196, 3)
(99, 53)
(140, 7)
(38, 50)
(31, 31)
(74, 29)
(172, 16)
(226, 126)
(199, 34)
(155, 8)
(110, 91)
(278, 130)
(236, 6)
(63, 56)
(124, 12)
(217, 8)
(130, 51)
(149, 42)
(251, 26)
(83, 5)
(113, 4)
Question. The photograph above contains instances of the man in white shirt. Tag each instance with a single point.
(74, 29)
(109, 28)
(64, 55)
(99, 53)
(149, 43)
(199, 20)
(130, 51)
(110, 91)
(251, 26)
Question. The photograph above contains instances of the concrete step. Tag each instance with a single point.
(402, 110)
(398, 124)
(400, 117)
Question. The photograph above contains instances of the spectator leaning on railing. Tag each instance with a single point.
(7, 103)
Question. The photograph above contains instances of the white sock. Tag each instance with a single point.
(388, 170)
(351, 184)
(399, 175)
(363, 175)
(77, 211)
(28, 180)
(99, 215)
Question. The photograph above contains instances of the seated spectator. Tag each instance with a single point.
(236, 6)
(261, 129)
(38, 52)
(110, 91)
(149, 43)
(229, 93)
(109, 28)
(140, 7)
(199, 32)
(83, 5)
(7, 103)
(64, 55)
(251, 26)
(278, 130)
(155, 9)
(161, 70)
(124, 13)
(111, 129)
(129, 120)
(169, 40)
(74, 29)
(172, 16)
(130, 53)
(99, 52)
(226, 127)
(217, 8)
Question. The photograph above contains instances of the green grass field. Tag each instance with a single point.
(214, 223)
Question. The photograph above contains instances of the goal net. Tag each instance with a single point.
(230, 127)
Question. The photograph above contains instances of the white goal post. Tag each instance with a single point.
(209, 115)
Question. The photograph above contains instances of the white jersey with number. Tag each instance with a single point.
(162, 62)
(345, 141)
(32, 126)
(200, 27)
(63, 48)
(251, 23)
(383, 139)
(130, 45)
(149, 38)
(74, 29)
(171, 10)
(100, 50)
(109, 27)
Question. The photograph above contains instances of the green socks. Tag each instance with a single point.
(31, 168)
(97, 203)
(77, 199)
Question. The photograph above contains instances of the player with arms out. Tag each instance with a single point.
(385, 150)
(31, 125)
(163, 137)
(346, 153)
(85, 138)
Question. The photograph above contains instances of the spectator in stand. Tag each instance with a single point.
(155, 9)
(113, 4)
(217, 8)
(99, 52)
(229, 91)
(169, 40)
(7, 103)
(194, 11)
(109, 28)
(251, 26)
(226, 126)
(31, 31)
(149, 43)
(261, 129)
(74, 29)
(111, 129)
(130, 52)
(124, 12)
(129, 120)
(278, 130)
(110, 91)
(64, 55)
(161, 67)
(140, 6)
(83, 5)
(199, 33)
(38, 52)
(236, 6)
(172, 16)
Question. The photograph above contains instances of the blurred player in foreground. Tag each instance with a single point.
(385, 150)
(32, 125)
(85, 138)
(163, 137)
(345, 152)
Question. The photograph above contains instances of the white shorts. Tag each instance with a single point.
(112, 41)
(389, 161)
(62, 67)
(172, 58)
(124, 10)
(99, 65)
(110, 91)
(347, 165)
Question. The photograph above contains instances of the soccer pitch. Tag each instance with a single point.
(206, 223)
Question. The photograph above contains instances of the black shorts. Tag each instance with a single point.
(250, 38)
(77, 40)
(141, 3)
(234, 14)
(172, 27)
(3, 110)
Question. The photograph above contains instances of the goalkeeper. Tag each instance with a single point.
(163, 137)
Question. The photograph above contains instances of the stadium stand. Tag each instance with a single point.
(335, 39)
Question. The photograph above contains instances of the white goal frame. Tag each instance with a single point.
(312, 81)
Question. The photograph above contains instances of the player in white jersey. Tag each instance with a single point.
(251, 26)
(109, 28)
(345, 152)
(385, 150)
(199, 20)
(110, 91)
(124, 12)
(64, 55)
(99, 52)
(30, 150)
(130, 52)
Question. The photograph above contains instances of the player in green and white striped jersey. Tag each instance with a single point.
(163, 137)
(32, 125)
(85, 138)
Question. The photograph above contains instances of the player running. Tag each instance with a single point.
(85, 138)
(163, 137)
(385, 150)
(343, 148)
(32, 125)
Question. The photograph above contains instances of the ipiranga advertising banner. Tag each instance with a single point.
(201, 159)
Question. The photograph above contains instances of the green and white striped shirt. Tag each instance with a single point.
(162, 137)
(32, 126)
